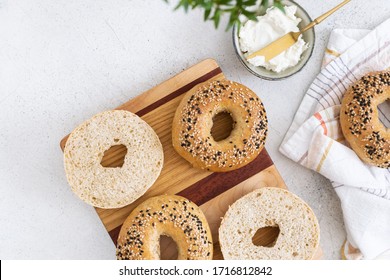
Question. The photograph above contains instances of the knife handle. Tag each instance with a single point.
(324, 16)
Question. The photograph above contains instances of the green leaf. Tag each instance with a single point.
(232, 20)
(231, 7)
(178, 5)
(195, 4)
(280, 6)
(217, 17)
(249, 15)
(223, 2)
(185, 5)
(250, 3)
(207, 14)
(207, 4)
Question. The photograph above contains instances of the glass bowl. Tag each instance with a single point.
(261, 72)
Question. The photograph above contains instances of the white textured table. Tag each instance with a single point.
(63, 61)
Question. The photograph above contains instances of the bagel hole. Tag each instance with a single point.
(114, 156)
(266, 236)
(384, 107)
(168, 248)
(223, 125)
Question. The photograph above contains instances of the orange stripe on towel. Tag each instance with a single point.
(319, 117)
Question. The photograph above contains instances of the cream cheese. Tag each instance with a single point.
(270, 27)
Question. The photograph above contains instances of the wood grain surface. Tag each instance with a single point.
(213, 192)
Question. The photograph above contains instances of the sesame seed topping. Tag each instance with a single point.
(200, 144)
(133, 246)
(359, 110)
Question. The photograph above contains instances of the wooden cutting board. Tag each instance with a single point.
(213, 192)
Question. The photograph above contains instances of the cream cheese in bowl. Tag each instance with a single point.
(252, 36)
(268, 28)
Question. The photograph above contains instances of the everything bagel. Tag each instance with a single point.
(191, 129)
(170, 215)
(360, 122)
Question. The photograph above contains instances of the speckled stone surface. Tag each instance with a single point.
(63, 61)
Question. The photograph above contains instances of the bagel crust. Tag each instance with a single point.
(170, 215)
(112, 187)
(191, 128)
(360, 122)
(299, 234)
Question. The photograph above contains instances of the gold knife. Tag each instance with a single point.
(283, 43)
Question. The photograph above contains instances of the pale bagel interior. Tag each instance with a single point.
(107, 187)
(269, 207)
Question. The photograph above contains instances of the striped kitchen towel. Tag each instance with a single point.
(315, 140)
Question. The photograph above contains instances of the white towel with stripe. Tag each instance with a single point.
(315, 140)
